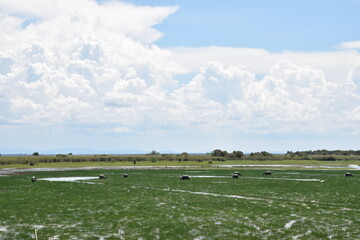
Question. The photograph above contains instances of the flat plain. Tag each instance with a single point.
(156, 204)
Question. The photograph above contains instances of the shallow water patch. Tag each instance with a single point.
(207, 176)
(270, 166)
(69, 179)
(289, 179)
(9, 171)
(357, 167)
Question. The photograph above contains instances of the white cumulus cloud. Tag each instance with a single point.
(350, 45)
(79, 62)
(69, 60)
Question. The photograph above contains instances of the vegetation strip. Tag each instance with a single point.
(156, 204)
(216, 158)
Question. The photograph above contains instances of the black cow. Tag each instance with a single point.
(33, 178)
(101, 176)
(125, 175)
(235, 175)
(185, 177)
(267, 173)
(348, 174)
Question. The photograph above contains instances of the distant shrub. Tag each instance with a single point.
(329, 158)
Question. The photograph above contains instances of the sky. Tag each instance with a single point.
(179, 76)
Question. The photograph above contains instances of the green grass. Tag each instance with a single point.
(155, 204)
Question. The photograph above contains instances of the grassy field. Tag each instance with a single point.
(155, 204)
(61, 160)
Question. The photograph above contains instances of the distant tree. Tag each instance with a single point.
(261, 154)
(219, 153)
(70, 154)
(216, 153)
(327, 158)
(266, 154)
(153, 152)
(35, 154)
(238, 154)
(328, 152)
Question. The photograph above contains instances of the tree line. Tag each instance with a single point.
(325, 152)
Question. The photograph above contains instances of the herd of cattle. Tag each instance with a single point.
(187, 177)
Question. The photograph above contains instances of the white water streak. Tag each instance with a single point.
(289, 224)
(290, 179)
(68, 179)
(357, 167)
(285, 179)
(216, 194)
(203, 176)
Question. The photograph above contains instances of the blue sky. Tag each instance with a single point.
(310, 25)
(124, 76)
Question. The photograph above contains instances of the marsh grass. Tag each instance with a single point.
(62, 160)
(155, 204)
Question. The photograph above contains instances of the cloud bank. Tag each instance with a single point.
(97, 67)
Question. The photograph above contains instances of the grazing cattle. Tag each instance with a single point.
(125, 175)
(33, 179)
(185, 177)
(348, 174)
(267, 173)
(235, 176)
(101, 176)
(237, 173)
